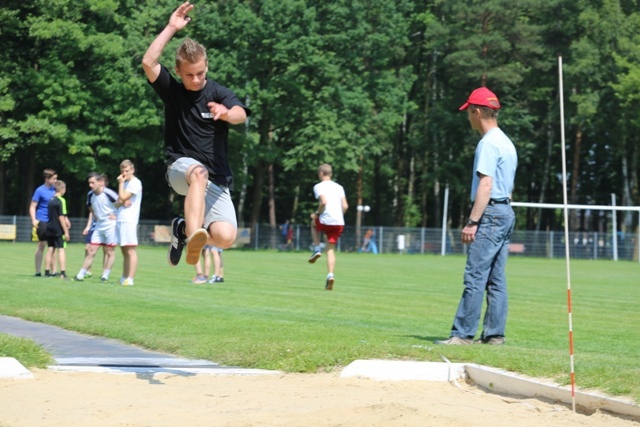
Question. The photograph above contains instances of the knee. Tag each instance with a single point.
(223, 235)
(197, 174)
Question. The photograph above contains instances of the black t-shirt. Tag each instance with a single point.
(54, 228)
(190, 131)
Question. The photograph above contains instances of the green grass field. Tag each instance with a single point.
(272, 312)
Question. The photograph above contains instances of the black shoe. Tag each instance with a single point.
(315, 256)
(104, 280)
(37, 275)
(178, 238)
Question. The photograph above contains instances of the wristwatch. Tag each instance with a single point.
(471, 223)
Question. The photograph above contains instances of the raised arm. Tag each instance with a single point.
(177, 21)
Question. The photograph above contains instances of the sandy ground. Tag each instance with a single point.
(97, 399)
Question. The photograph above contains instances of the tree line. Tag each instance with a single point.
(371, 87)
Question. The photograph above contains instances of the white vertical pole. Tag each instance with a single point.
(566, 235)
(614, 228)
(638, 237)
(445, 214)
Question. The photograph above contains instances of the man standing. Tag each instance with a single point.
(130, 198)
(489, 228)
(328, 219)
(102, 203)
(38, 210)
(198, 113)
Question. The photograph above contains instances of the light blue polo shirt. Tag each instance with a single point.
(495, 157)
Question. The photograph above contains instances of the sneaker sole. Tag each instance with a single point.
(314, 258)
(329, 285)
(195, 245)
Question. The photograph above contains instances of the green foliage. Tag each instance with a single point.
(362, 84)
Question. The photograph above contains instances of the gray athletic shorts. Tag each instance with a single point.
(218, 204)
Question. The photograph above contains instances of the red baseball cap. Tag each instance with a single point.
(483, 97)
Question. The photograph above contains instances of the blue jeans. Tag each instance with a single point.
(484, 271)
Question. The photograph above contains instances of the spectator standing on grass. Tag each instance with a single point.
(328, 219)
(90, 228)
(130, 199)
(102, 203)
(284, 234)
(489, 227)
(198, 112)
(39, 213)
(203, 268)
(57, 233)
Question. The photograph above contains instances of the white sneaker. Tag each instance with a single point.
(329, 285)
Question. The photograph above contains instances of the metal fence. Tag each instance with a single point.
(399, 240)
(547, 244)
(146, 229)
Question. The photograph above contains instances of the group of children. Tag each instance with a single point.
(113, 221)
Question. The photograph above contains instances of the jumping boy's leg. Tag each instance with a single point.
(222, 234)
(198, 178)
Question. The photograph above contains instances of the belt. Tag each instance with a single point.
(499, 202)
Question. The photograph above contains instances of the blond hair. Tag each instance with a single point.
(190, 51)
(325, 169)
(126, 163)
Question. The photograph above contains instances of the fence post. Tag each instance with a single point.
(257, 234)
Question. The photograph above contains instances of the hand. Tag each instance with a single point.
(120, 178)
(469, 234)
(217, 110)
(179, 18)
